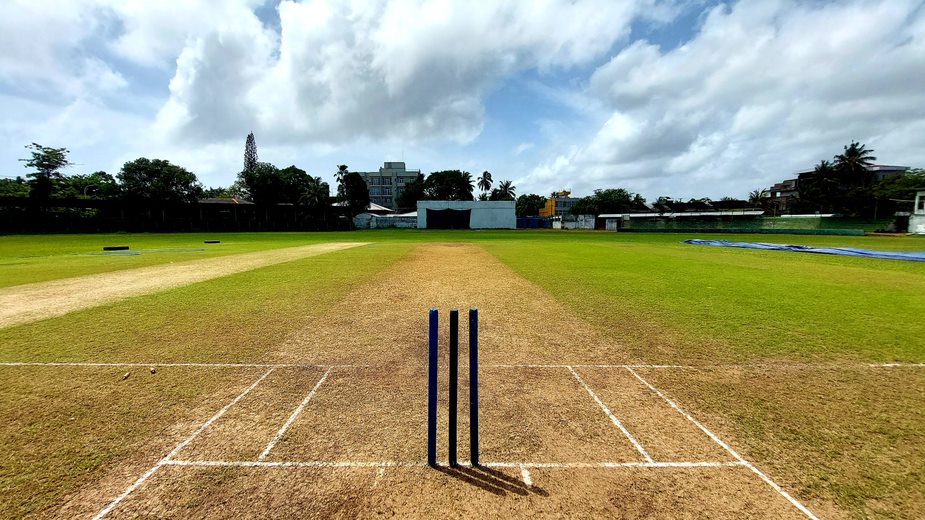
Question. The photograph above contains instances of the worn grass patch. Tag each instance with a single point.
(848, 441)
(63, 428)
(238, 318)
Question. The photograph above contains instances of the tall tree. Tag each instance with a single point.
(613, 200)
(854, 165)
(342, 170)
(48, 163)
(504, 191)
(355, 193)
(485, 181)
(157, 179)
(250, 153)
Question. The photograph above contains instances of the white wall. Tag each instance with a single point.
(495, 214)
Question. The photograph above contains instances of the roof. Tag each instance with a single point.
(224, 200)
(741, 212)
(371, 207)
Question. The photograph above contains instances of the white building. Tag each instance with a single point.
(466, 214)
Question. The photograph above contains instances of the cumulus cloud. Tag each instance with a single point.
(762, 90)
(402, 70)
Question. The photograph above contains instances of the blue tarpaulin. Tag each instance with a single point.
(846, 251)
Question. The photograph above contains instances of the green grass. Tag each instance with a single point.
(667, 302)
(676, 303)
(236, 318)
(38, 258)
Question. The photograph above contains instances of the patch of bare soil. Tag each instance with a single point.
(38, 301)
(386, 321)
(455, 493)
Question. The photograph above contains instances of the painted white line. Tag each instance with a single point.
(774, 366)
(295, 464)
(525, 475)
(292, 417)
(593, 465)
(613, 417)
(138, 364)
(585, 366)
(726, 447)
(103, 512)
(396, 464)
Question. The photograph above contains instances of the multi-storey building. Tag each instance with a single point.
(560, 203)
(386, 184)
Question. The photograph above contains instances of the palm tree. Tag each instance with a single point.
(341, 172)
(485, 181)
(504, 191)
(757, 196)
(316, 194)
(854, 163)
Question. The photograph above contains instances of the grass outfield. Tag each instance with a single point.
(658, 301)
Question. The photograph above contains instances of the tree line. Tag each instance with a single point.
(847, 185)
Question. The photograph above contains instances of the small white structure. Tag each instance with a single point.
(917, 219)
(466, 214)
(398, 220)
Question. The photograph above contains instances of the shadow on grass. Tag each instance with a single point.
(491, 480)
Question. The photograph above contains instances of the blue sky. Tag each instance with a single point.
(662, 97)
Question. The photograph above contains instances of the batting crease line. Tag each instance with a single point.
(613, 417)
(393, 464)
(135, 364)
(729, 449)
(780, 366)
(292, 417)
(141, 480)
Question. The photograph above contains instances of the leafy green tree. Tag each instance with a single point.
(17, 187)
(267, 184)
(355, 193)
(504, 191)
(901, 188)
(529, 205)
(757, 197)
(412, 192)
(157, 179)
(613, 200)
(449, 185)
(48, 163)
(97, 185)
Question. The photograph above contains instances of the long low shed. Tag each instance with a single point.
(465, 214)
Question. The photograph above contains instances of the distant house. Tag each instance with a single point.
(782, 193)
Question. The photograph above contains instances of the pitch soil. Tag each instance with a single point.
(371, 409)
(31, 302)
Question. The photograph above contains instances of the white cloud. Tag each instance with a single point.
(763, 89)
(399, 70)
(523, 147)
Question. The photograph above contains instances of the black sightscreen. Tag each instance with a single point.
(448, 218)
